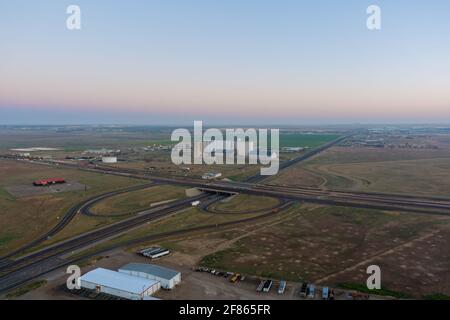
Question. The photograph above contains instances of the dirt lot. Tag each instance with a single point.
(193, 286)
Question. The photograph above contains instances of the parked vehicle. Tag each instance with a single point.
(282, 287)
(260, 286)
(267, 286)
(331, 295)
(235, 278)
(303, 289)
(311, 291)
(325, 293)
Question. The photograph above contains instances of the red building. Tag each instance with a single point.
(47, 182)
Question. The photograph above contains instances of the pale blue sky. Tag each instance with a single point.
(232, 61)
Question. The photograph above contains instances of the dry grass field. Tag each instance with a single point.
(243, 203)
(24, 219)
(334, 246)
(138, 200)
(408, 171)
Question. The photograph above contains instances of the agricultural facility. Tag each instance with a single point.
(119, 284)
(167, 277)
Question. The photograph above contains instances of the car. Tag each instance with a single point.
(260, 286)
(331, 294)
(282, 287)
(312, 291)
(267, 286)
(235, 278)
(304, 289)
(325, 293)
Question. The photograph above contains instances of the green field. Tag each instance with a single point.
(305, 140)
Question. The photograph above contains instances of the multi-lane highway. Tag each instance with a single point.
(22, 269)
(14, 272)
(426, 205)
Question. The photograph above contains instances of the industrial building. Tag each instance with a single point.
(119, 284)
(109, 159)
(47, 182)
(167, 277)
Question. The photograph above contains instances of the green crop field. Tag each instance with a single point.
(305, 140)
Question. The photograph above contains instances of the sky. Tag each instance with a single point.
(224, 61)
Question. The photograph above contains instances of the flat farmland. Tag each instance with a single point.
(25, 218)
(78, 138)
(407, 171)
(422, 177)
(334, 246)
(296, 139)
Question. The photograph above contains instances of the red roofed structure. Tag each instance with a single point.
(50, 181)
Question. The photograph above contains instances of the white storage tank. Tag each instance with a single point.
(167, 277)
(119, 284)
(109, 159)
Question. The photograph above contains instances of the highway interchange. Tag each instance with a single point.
(20, 267)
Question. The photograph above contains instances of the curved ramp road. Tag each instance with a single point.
(70, 214)
(40, 262)
(55, 260)
(21, 270)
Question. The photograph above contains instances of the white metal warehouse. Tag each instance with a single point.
(169, 278)
(119, 284)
